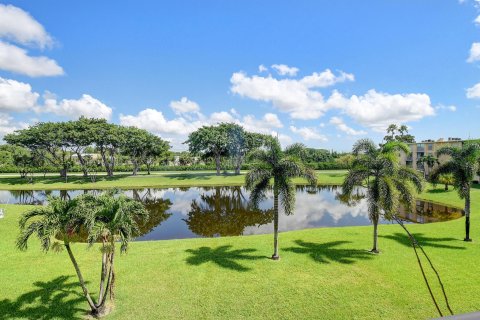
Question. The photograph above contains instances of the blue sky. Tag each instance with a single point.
(325, 73)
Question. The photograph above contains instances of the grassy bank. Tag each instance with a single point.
(155, 180)
(323, 273)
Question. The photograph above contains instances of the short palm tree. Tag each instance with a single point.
(105, 218)
(272, 163)
(429, 161)
(447, 179)
(59, 220)
(463, 164)
(387, 183)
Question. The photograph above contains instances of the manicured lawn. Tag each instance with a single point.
(156, 180)
(323, 273)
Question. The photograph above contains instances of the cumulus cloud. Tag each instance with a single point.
(294, 96)
(262, 68)
(184, 106)
(16, 96)
(340, 124)
(9, 125)
(377, 110)
(474, 92)
(15, 59)
(86, 106)
(477, 21)
(474, 52)
(308, 133)
(19, 26)
(451, 108)
(284, 70)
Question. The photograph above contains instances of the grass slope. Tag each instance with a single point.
(323, 273)
(156, 180)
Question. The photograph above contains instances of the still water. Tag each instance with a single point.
(177, 213)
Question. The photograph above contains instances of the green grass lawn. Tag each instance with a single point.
(155, 180)
(323, 273)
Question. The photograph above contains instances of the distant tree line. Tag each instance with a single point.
(56, 144)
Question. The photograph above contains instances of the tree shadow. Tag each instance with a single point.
(327, 252)
(222, 256)
(197, 175)
(423, 241)
(55, 299)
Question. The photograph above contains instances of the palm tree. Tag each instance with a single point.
(463, 164)
(58, 220)
(105, 218)
(386, 182)
(113, 218)
(280, 166)
(428, 160)
(446, 179)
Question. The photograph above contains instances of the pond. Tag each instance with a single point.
(177, 213)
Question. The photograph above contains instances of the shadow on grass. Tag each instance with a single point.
(197, 176)
(424, 241)
(222, 256)
(55, 299)
(52, 180)
(327, 252)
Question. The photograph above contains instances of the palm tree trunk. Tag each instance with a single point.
(467, 216)
(375, 232)
(80, 278)
(275, 255)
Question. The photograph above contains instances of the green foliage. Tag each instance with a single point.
(398, 133)
(388, 184)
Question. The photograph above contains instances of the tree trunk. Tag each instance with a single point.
(467, 216)
(148, 168)
(375, 219)
(103, 275)
(238, 164)
(80, 279)
(446, 187)
(106, 163)
(82, 164)
(275, 255)
(64, 173)
(217, 164)
(135, 167)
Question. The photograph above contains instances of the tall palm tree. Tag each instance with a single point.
(428, 160)
(387, 183)
(272, 163)
(105, 218)
(463, 164)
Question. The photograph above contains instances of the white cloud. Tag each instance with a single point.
(477, 21)
(15, 59)
(19, 26)
(451, 108)
(284, 70)
(377, 110)
(86, 106)
(474, 52)
(153, 120)
(340, 124)
(184, 106)
(9, 125)
(308, 133)
(474, 92)
(292, 96)
(262, 68)
(16, 96)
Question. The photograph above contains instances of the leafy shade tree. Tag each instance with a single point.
(272, 163)
(399, 134)
(107, 140)
(141, 147)
(210, 141)
(463, 165)
(387, 183)
(48, 140)
(106, 219)
(241, 142)
(427, 161)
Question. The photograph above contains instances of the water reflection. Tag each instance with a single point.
(177, 213)
(225, 212)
